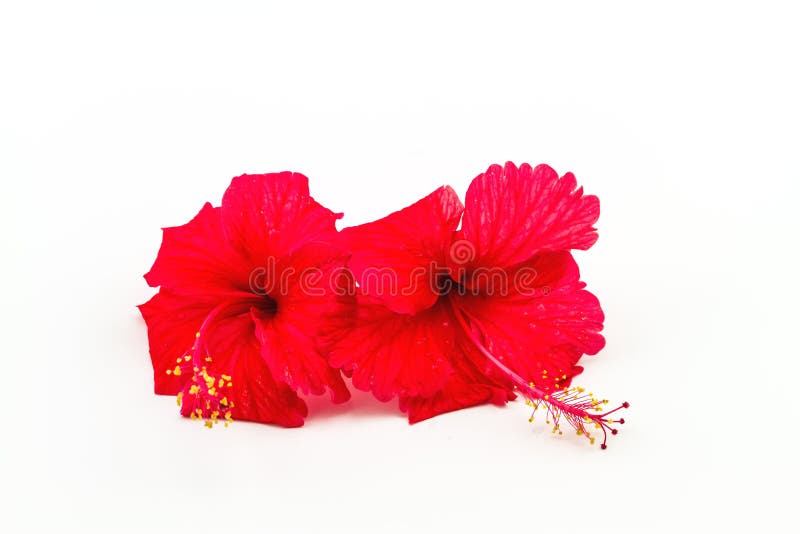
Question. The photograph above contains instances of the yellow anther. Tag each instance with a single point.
(228, 416)
(194, 390)
(208, 358)
(169, 371)
(224, 401)
(187, 358)
(176, 371)
(179, 398)
(212, 391)
(197, 334)
(209, 424)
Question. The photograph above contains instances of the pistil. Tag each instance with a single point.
(583, 411)
(205, 396)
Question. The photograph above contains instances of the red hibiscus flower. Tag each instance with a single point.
(453, 317)
(245, 289)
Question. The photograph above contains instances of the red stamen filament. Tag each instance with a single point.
(579, 409)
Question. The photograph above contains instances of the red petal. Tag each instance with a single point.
(267, 215)
(316, 283)
(393, 256)
(257, 396)
(464, 389)
(291, 354)
(397, 354)
(544, 326)
(195, 259)
(172, 322)
(511, 214)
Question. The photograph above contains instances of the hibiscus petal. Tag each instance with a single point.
(540, 329)
(194, 258)
(172, 322)
(392, 258)
(291, 354)
(256, 395)
(397, 354)
(269, 215)
(512, 214)
(464, 389)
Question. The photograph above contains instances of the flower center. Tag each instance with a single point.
(268, 305)
(444, 285)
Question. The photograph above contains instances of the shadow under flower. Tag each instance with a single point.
(360, 405)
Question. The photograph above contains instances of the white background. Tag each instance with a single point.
(118, 120)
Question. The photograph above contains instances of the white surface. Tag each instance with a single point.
(115, 121)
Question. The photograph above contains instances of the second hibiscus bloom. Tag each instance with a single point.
(460, 306)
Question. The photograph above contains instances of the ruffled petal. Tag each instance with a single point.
(195, 259)
(291, 354)
(542, 326)
(269, 215)
(255, 394)
(172, 322)
(393, 257)
(395, 354)
(512, 214)
(465, 388)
